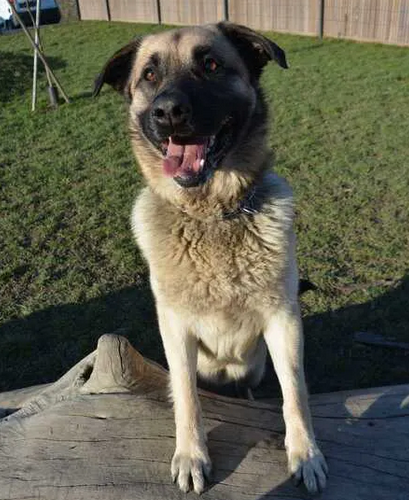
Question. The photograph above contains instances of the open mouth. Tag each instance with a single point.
(191, 160)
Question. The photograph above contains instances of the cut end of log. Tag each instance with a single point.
(119, 368)
(114, 367)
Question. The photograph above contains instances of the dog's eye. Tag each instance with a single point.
(149, 75)
(210, 65)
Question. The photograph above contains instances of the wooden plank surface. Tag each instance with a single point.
(385, 21)
(140, 11)
(70, 445)
(93, 9)
(295, 16)
(191, 11)
(119, 446)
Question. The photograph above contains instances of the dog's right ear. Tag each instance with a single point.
(255, 49)
(117, 70)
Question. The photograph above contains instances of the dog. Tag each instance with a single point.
(215, 225)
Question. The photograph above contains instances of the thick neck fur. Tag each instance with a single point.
(242, 169)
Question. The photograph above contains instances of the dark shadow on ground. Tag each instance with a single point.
(82, 96)
(334, 361)
(16, 73)
(42, 346)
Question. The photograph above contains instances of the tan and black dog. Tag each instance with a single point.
(216, 227)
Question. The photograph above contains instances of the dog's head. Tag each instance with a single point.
(194, 97)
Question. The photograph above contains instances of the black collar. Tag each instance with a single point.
(250, 204)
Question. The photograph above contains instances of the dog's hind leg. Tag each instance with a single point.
(257, 367)
(191, 460)
(284, 339)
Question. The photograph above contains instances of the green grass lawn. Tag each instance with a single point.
(69, 270)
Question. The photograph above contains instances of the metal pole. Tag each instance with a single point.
(36, 40)
(158, 8)
(52, 91)
(108, 10)
(226, 10)
(322, 13)
(40, 55)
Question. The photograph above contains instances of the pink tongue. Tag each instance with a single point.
(183, 160)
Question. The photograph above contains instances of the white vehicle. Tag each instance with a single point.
(49, 12)
(3, 24)
(5, 15)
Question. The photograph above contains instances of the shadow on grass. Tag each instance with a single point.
(16, 73)
(82, 96)
(42, 346)
(335, 362)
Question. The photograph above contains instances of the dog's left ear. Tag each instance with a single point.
(117, 70)
(255, 49)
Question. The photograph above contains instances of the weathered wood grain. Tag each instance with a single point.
(65, 443)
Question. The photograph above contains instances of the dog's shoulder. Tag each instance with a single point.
(276, 202)
(150, 218)
(273, 217)
(153, 213)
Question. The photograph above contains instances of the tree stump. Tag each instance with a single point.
(105, 431)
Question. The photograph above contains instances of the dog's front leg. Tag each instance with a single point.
(191, 460)
(284, 339)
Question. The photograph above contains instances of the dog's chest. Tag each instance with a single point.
(216, 265)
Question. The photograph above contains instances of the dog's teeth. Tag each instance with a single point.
(202, 162)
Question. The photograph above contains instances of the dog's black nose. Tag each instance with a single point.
(171, 109)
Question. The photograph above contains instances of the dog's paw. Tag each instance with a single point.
(309, 467)
(191, 468)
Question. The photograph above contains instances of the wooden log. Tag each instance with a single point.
(105, 431)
